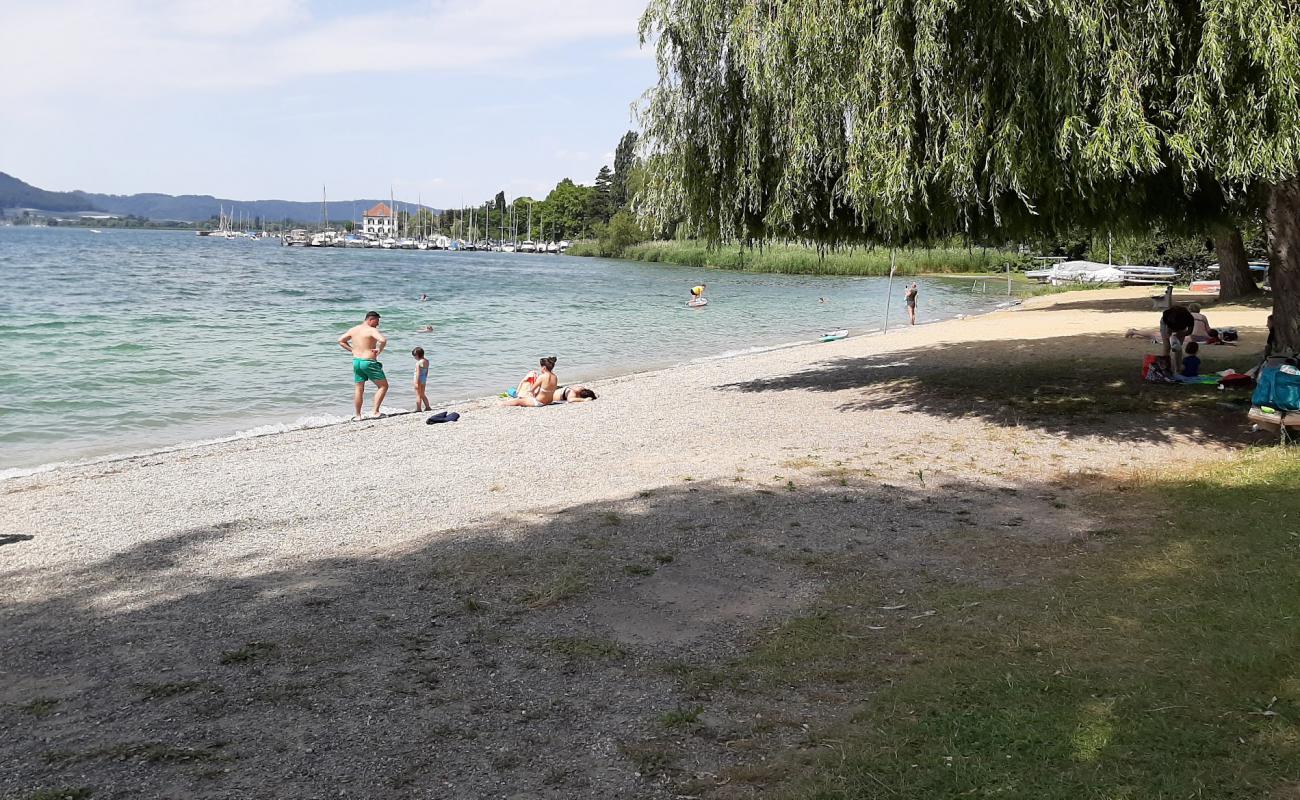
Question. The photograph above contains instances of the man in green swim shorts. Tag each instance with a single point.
(365, 343)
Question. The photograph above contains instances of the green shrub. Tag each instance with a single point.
(584, 247)
(621, 233)
(798, 259)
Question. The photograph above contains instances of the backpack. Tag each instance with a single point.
(1278, 385)
(1156, 369)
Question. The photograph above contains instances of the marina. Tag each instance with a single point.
(383, 227)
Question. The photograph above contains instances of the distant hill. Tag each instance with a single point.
(16, 194)
(199, 207)
(187, 207)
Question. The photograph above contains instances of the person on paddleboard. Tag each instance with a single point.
(697, 296)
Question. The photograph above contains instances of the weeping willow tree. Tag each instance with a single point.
(890, 121)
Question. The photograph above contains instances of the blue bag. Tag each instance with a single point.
(1278, 386)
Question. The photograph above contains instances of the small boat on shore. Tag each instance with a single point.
(1091, 272)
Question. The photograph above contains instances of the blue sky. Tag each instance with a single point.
(259, 99)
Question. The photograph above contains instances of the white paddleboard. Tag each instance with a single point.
(834, 336)
(698, 302)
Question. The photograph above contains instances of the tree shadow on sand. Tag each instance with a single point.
(1051, 385)
(1152, 303)
(669, 643)
(556, 655)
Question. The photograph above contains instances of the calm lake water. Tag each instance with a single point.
(132, 340)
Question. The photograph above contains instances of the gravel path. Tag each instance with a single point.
(504, 606)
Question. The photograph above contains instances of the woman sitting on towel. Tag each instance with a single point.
(537, 388)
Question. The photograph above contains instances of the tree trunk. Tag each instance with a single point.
(1235, 279)
(1284, 263)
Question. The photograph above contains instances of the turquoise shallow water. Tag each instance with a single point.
(131, 340)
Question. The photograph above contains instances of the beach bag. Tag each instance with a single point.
(1227, 334)
(1237, 380)
(1155, 369)
(1278, 386)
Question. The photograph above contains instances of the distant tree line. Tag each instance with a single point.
(127, 221)
(570, 211)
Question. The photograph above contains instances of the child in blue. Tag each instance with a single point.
(421, 377)
(1191, 362)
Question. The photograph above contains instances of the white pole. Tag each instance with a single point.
(888, 297)
(1008, 279)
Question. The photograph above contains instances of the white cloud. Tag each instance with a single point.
(146, 47)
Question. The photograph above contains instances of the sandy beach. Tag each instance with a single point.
(499, 607)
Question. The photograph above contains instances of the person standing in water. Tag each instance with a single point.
(365, 342)
(910, 298)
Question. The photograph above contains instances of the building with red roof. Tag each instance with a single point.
(379, 221)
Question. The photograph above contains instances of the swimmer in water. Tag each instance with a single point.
(424, 298)
(425, 329)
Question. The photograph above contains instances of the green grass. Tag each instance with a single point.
(798, 259)
(681, 717)
(585, 648)
(589, 248)
(650, 758)
(40, 707)
(144, 752)
(253, 651)
(1167, 665)
(1056, 393)
(554, 591)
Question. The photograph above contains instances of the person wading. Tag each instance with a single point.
(365, 343)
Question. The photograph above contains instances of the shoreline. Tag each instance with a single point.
(457, 578)
(471, 403)
(798, 354)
